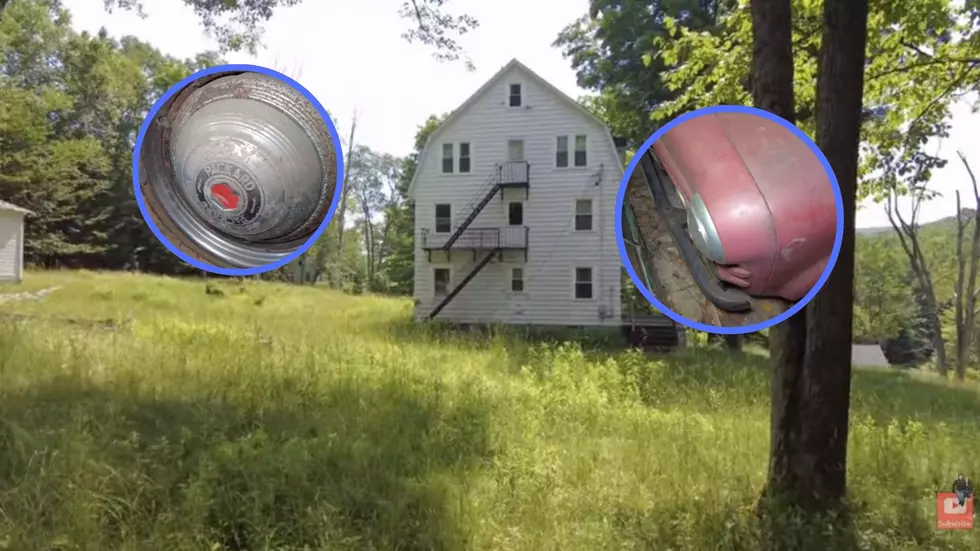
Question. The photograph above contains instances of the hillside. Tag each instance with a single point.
(154, 413)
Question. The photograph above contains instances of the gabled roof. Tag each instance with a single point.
(486, 88)
(10, 207)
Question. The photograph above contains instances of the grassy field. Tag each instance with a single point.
(143, 413)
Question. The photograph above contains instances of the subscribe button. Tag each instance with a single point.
(951, 515)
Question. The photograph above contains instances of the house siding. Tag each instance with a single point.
(11, 245)
(554, 248)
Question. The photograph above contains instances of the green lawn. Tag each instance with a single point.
(142, 413)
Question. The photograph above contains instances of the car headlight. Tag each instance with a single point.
(703, 231)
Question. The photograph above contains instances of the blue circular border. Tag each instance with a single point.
(338, 188)
(713, 328)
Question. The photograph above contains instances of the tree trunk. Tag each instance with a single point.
(812, 351)
(772, 89)
(733, 343)
(827, 369)
(342, 210)
(966, 293)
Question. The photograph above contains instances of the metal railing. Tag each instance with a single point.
(510, 237)
(514, 172)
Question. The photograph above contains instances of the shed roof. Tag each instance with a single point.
(868, 355)
(10, 207)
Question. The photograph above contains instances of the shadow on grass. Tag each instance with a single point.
(348, 467)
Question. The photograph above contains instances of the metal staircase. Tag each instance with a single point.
(475, 205)
(469, 277)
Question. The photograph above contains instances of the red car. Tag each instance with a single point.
(756, 203)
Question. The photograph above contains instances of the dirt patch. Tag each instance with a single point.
(36, 295)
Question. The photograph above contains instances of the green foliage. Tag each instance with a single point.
(237, 24)
(70, 107)
(608, 50)
(288, 417)
(887, 304)
(920, 56)
(399, 268)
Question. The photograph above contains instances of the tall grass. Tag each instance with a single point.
(144, 413)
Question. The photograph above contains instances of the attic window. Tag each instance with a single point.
(514, 97)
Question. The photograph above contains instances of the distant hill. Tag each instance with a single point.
(947, 221)
(873, 231)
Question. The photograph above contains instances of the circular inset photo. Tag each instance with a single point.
(730, 219)
(237, 169)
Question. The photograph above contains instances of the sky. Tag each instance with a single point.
(351, 56)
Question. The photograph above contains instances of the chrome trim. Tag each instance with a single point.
(702, 230)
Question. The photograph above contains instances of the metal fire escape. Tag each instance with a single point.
(492, 240)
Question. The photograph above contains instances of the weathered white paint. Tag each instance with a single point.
(555, 249)
(11, 242)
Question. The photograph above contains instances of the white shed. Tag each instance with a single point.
(11, 241)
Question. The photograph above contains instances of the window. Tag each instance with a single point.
(514, 95)
(447, 158)
(580, 158)
(515, 214)
(444, 218)
(583, 283)
(517, 280)
(515, 150)
(583, 215)
(464, 157)
(440, 278)
(561, 157)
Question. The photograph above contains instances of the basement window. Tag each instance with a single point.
(583, 283)
(440, 277)
(517, 280)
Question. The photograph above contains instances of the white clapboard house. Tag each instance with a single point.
(514, 200)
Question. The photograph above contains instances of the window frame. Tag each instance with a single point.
(558, 151)
(510, 204)
(522, 279)
(584, 151)
(435, 281)
(511, 95)
(576, 214)
(436, 217)
(590, 283)
(468, 157)
(451, 159)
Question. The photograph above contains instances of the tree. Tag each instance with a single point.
(374, 182)
(966, 277)
(907, 230)
(811, 354)
(399, 267)
(237, 24)
(72, 104)
(883, 298)
(914, 70)
(608, 49)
